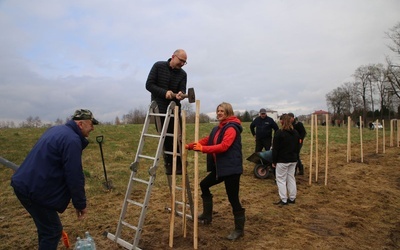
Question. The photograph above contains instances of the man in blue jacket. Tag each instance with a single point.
(51, 175)
(261, 128)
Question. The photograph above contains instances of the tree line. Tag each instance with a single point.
(375, 91)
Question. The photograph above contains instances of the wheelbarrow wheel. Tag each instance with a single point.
(261, 171)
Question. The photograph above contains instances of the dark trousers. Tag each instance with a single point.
(169, 140)
(232, 183)
(263, 143)
(299, 163)
(47, 222)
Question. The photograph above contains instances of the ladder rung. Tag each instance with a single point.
(129, 225)
(134, 202)
(157, 114)
(181, 203)
(147, 157)
(152, 135)
(171, 153)
(141, 181)
(120, 241)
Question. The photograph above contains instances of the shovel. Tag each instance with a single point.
(107, 184)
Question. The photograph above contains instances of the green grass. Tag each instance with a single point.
(120, 146)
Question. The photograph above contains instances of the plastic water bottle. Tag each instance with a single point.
(90, 241)
(78, 244)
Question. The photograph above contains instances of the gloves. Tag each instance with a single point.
(187, 147)
(198, 147)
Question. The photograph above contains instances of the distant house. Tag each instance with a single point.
(321, 116)
(320, 112)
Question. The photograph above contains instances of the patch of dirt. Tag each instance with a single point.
(359, 208)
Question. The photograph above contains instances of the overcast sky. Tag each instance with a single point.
(285, 55)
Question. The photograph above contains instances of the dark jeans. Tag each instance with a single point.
(47, 222)
(263, 143)
(231, 186)
(169, 140)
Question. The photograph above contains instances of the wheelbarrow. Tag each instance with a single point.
(263, 161)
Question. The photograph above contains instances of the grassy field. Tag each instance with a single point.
(119, 147)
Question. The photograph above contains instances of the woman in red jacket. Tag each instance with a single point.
(225, 164)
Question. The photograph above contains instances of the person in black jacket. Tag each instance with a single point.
(261, 128)
(302, 132)
(284, 158)
(167, 82)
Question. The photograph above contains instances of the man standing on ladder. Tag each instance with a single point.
(167, 82)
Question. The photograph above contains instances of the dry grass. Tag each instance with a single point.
(358, 209)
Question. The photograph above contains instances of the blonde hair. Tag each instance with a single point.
(227, 107)
(286, 122)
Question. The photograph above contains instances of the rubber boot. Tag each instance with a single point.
(240, 219)
(206, 216)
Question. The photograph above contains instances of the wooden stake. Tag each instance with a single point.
(383, 136)
(196, 178)
(316, 147)
(326, 150)
(348, 139)
(361, 141)
(398, 133)
(377, 135)
(311, 148)
(184, 172)
(391, 133)
(173, 185)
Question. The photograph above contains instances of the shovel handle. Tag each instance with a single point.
(99, 139)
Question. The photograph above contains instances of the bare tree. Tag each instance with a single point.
(58, 121)
(337, 101)
(394, 35)
(117, 121)
(362, 77)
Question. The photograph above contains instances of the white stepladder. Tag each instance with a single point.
(136, 179)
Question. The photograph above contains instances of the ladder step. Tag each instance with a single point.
(147, 157)
(152, 135)
(120, 241)
(171, 153)
(129, 225)
(135, 203)
(141, 180)
(181, 203)
(157, 114)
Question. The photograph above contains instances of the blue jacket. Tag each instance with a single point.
(231, 161)
(52, 172)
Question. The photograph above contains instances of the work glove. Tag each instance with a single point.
(198, 147)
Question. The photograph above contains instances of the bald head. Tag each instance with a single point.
(178, 59)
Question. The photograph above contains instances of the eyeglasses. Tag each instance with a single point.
(181, 60)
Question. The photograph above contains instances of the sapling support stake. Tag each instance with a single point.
(108, 183)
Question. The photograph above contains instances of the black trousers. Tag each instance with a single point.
(169, 140)
(232, 183)
(263, 143)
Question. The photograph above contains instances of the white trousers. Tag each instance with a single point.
(285, 180)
